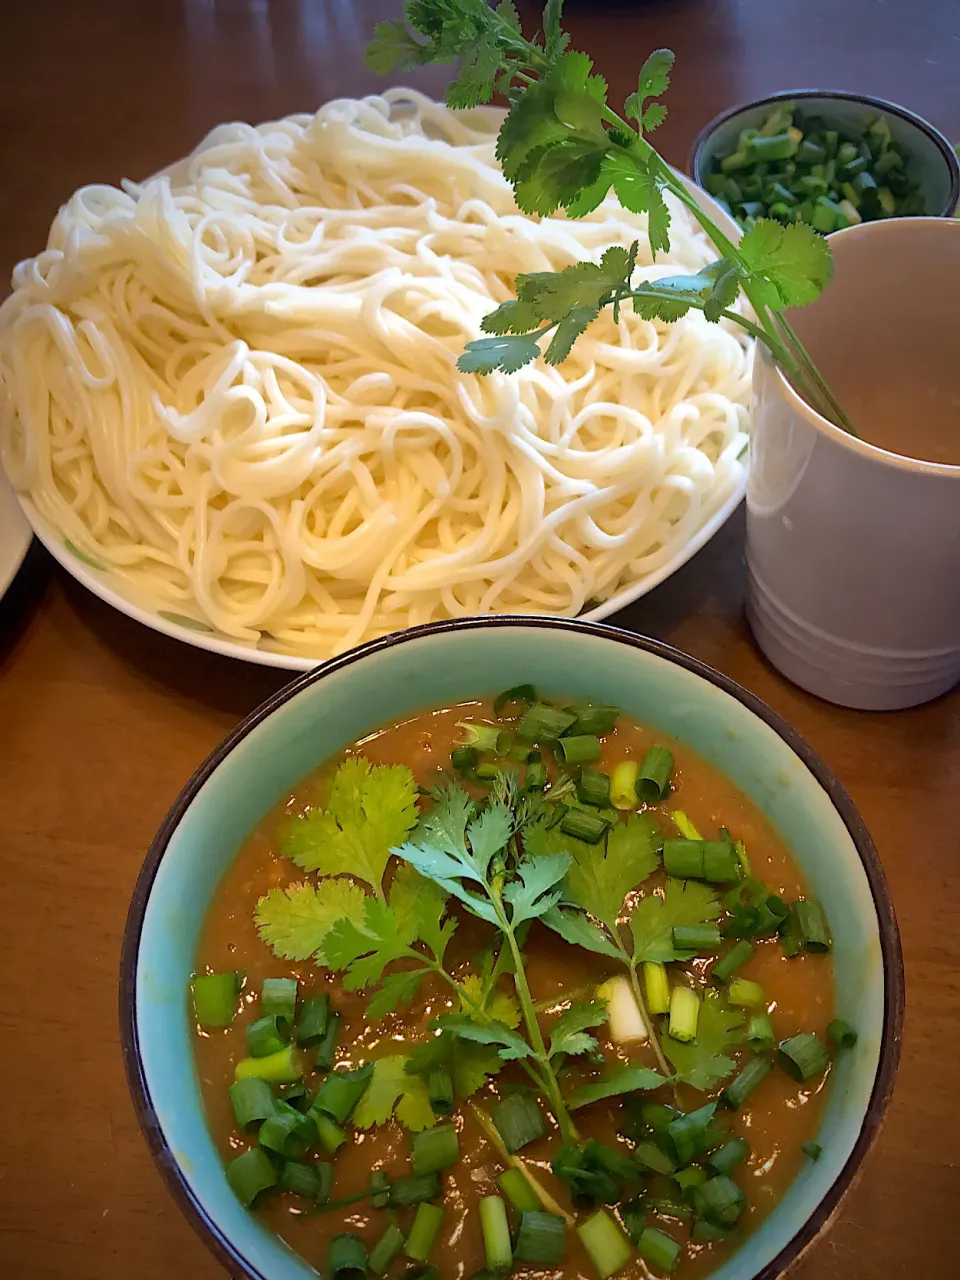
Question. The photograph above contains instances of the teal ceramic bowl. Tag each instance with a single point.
(325, 710)
(931, 157)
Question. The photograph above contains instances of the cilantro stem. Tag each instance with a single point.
(544, 1196)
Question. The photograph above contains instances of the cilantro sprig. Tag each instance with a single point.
(562, 146)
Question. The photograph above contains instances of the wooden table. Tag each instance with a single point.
(102, 721)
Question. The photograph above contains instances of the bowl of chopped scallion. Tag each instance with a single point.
(828, 159)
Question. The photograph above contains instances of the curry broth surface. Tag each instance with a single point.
(778, 1118)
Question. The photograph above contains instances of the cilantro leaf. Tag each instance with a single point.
(295, 921)
(653, 116)
(575, 928)
(419, 906)
(511, 317)
(470, 1065)
(370, 809)
(652, 921)
(626, 1080)
(508, 354)
(652, 82)
(573, 324)
(509, 1045)
(601, 876)
(394, 48)
(537, 889)
(554, 177)
(585, 284)
(395, 989)
(704, 1063)
(456, 855)
(555, 39)
(363, 951)
(789, 266)
(499, 1005)
(389, 1084)
(569, 1033)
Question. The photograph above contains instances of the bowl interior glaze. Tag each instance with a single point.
(391, 679)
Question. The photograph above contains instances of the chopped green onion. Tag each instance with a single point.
(423, 1233)
(803, 1056)
(279, 996)
(692, 1176)
(518, 1191)
(487, 771)
(540, 1240)
(525, 755)
(485, 737)
(496, 1233)
(380, 1186)
(704, 1231)
(282, 1067)
(583, 825)
(249, 1174)
(327, 1047)
(745, 993)
(656, 987)
(730, 1155)
(653, 781)
(649, 1156)
(623, 784)
(633, 1215)
(583, 749)
(288, 1131)
(812, 925)
(712, 860)
(696, 937)
(760, 1031)
(684, 825)
(535, 778)
(440, 1091)
(595, 720)
(720, 1201)
(841, 1033)
(407, 1191)
(311, 1180)
(669, 1207)
(560, 811)
(341, 1091)
(518, 1121)
(347, 1258)
(812, 1150)
(542, 723)
(740, 1088)
(608, 1247)
(252, 1101)
(331, 1135)
(659, 1249)
(519, 693)
(435, 1149)
(386, 1249)
(464, 759)
(684, 1014)
(215, 998)
(682, 1138)
(312, 1024)
(266, 1036)
(728, 964)
(298, 1095)
(594, 788)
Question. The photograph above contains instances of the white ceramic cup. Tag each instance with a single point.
(853, 552)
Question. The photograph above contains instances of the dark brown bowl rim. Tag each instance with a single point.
(879, 104)
(235, 1263)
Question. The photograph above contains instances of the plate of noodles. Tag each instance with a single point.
(231, 409)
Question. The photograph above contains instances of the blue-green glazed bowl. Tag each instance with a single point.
(929, 153)
(389, 679)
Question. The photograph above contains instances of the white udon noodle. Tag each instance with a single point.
(239, 391)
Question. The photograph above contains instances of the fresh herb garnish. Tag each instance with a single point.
(562, 145)
(704, 1062)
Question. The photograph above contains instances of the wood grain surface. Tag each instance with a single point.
(102, 721)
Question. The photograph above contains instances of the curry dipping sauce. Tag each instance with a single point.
(656, 1200)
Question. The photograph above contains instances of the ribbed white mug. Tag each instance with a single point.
(853, 552)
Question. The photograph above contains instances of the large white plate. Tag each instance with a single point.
(123, 595)
(15, 535)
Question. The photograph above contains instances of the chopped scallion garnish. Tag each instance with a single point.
(583, 748)
(684, 1014)
(215, 998)
(841, 1033)
(266, 1036)
(653, 780)
(496, 1233)
(583, 825)
(518, 1191)
(287, 1131)
(812, 1150)
(656, 987)
(386, 1249)
(347, 1258)
(594, 720)
(812, 926)
(341, 1091)
(435, 1149)
(760, 1031)
(311, 1180)
(327, 1046)
(701, 938)
(518, 1120)
(406, 1191)
(312, 1023)
(594, 788)
(728, 964)
(519, 693)
(540, 1240)
(730, 1155)
(544, 724)
(252, 1101)
(745, 993)
(440, 1091)
(740, 1088)
(803, 1056)
(423, 1233)
(279, 996)
(659, 1249)
(282, 1067)
(623, 784)
(608, 1247)
(249, 1174)
(720, 1201)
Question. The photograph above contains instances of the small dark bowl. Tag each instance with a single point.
(934, 159)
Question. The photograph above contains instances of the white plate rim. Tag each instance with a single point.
(96, 580)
